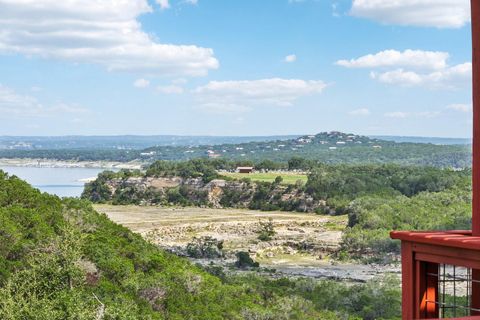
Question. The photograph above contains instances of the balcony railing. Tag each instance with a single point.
(440, 274)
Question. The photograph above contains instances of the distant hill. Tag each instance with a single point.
(325, 147)
(432, 140)
(125, 142)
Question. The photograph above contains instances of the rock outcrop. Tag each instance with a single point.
(217, 193)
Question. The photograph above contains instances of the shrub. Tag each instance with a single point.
(245, 261)
(205, 247)
(266, 230)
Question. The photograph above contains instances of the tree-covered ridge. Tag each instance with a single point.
(326, 147)
(330, 187)
(59, 259)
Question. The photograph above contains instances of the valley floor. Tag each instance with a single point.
(301, 246)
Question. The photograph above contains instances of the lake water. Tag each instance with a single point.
(64, 182)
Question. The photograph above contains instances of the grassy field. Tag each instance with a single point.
(288, 178)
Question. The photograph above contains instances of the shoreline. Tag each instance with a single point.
(49, 163)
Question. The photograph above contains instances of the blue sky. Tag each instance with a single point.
(214, 67)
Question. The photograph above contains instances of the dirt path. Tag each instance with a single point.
(301, 246)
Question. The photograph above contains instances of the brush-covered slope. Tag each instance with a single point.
(59, 259)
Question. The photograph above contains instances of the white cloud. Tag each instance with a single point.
(360, 112)
(392, 58)
(102, 32)
(223, 108)
(428, 114)
(265, 92)
(291, 58)
(24, 106)
(179, 81)
(424, 13)
(397, 114)
(460, 107)
(164, 4)
(171, 89)
(193, 2)
(413, 68)
(451, 77)
(335, 12)
(403, 115)
(141, 83)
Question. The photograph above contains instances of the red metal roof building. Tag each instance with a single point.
(441, 270)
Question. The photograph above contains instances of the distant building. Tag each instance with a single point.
(213, 155)
(303, 140)
(146, 154)
(244, 169)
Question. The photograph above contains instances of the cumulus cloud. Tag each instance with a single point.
(413, 68)
(248, 93)
(14, 104)
(102, 32)
(291, 58)
(335, 12)
(141, 83)
(451, 77)
(403, 115)
(223, 108)
(392, 58)
(460, 107)
(397, 114)
(171, 89)
(360, 112)
(164, 4)
(179, 81)
(423, 13)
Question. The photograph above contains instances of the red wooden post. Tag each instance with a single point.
(476, 142)
(427, 290)
(408, 281)
(476, 116)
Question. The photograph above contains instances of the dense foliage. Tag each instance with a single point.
(59, 259)
(341, 184)
(371, 219)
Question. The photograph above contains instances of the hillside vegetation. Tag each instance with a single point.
(325, 147)
(59, 259)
